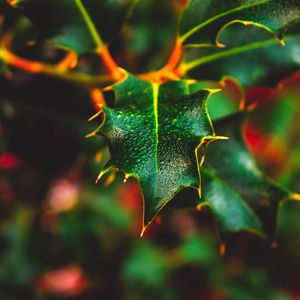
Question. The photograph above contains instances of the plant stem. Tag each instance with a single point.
(47, 69)
(185, 67)
(110, 65)
(169, 70)
(175, 57)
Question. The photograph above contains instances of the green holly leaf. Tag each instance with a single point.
(203, 20)
(80, 25)
(239, 194)
(154, 133)
(270, 61)
(231, 212)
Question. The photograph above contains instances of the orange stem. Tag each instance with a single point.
(69, 61)
(112, 68)
(175, 57)
(97, 98)
(52, 70)
(21, 63)
(169, 70)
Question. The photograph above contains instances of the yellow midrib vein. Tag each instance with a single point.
(155, 112)
(94, 33)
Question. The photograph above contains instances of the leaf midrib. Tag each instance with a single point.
(203, 24)
(155, 88)
(90, 25)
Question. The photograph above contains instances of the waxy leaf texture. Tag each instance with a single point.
(239, 194)
(154, 133)
(204, 20)
(158, 133)
(253, 59)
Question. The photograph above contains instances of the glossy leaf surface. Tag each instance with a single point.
(153, 132)
(270, 61)
(203, 20)
(240, 196)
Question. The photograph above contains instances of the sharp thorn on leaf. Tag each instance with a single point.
(90, 134)
(94, 116)
(295, 197)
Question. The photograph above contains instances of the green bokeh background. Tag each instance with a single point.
(94, 229)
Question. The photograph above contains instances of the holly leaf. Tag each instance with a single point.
(204, 20)
(270, 62)
(239, 194)
(231, 212)
(79, 25)
(154, 133)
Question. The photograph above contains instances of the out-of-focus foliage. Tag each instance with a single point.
(63, 237)
(175, 145)
(270, 61)
(203, 21)
(81, 26)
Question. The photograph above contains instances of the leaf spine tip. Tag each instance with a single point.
(295, 197)
(94, 116)
(100, 175)
(213, 91)
(125, 179)
(220, 45)
(282, 42)
(218, 137)
(107, 88)
(90, 134)
(143, 230)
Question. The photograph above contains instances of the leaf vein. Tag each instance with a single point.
(155, 111)
(94, 33)
(203, 24)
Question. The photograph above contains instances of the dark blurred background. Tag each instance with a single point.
(64, 237)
